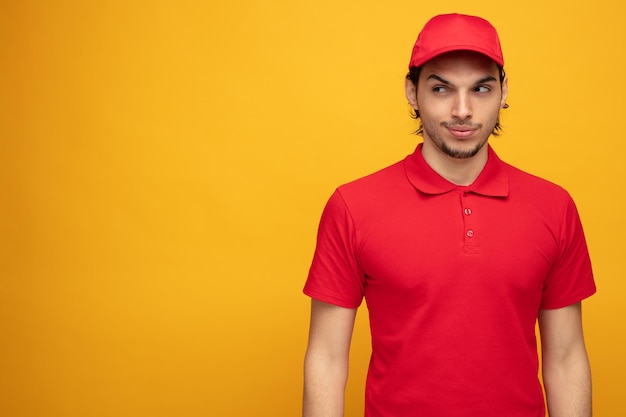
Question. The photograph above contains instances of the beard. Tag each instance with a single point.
(432, 132)
(461, 153)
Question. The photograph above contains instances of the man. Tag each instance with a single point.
(457, 255)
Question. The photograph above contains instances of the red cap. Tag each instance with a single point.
(456, 32)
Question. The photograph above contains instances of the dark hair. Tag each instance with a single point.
(414, 75)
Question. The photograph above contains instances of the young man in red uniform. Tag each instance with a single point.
(457, 255)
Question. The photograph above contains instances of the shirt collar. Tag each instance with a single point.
(493, 180)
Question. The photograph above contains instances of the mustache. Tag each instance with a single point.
(462, 123)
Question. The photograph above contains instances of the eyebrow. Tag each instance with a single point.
(486, 79)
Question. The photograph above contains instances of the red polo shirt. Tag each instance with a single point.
(453, 277)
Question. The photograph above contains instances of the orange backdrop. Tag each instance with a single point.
(163, 166)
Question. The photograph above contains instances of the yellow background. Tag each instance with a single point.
(163, 166)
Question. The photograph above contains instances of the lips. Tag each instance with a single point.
(461, 131)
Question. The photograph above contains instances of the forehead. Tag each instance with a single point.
(461, 64)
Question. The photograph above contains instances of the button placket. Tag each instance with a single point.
(470, 234)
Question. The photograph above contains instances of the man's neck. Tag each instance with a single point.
(459, 171)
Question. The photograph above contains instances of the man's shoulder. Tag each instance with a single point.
(524, 181)
(378, 181)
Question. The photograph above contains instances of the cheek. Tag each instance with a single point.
(431, 108)
(495, 113)
(431, 123)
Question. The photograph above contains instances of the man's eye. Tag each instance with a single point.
(439, 89)
(483, 89)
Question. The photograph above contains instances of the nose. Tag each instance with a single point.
(462, 108)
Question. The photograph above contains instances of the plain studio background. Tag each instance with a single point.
(163, 167)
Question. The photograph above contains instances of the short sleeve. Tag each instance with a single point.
(335, 276)
(571, 278)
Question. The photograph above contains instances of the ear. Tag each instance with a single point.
(505, 93)
(411, 93)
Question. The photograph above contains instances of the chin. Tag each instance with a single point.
(462, 152)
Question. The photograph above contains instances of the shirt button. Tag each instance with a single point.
(470, 233)
(467, 211)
